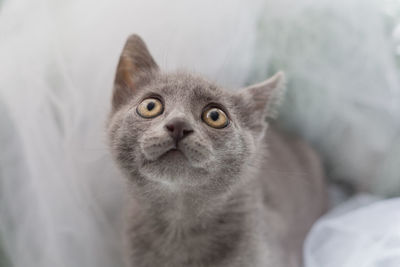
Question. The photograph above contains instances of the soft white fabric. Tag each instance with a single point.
(362, 232)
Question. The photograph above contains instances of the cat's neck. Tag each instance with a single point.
(190, 207)
(194, 224)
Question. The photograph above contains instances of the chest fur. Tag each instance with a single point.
(213, 241)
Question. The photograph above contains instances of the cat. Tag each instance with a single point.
(211, 181)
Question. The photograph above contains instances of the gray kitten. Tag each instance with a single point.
(211, 182)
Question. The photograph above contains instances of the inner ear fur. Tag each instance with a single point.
(135, 64)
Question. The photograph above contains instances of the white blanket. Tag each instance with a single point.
(362, 232)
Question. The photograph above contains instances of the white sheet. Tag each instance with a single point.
(362, 232)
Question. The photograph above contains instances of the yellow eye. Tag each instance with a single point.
(215, 118)
(150, 108)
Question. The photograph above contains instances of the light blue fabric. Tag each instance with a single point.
(343, 84)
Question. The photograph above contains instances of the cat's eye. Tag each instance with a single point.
(150, 108)
(215, 118)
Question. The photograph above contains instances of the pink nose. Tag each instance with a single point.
(178, 129)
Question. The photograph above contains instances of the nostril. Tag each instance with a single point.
(186, 132)
(170, 127)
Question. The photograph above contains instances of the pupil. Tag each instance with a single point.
(150, 106)
(214, 115)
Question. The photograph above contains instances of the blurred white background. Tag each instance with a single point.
(60, 195)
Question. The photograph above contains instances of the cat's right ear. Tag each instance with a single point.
(135, 66)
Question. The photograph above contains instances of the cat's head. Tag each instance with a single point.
(179, 129)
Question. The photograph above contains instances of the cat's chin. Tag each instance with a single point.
(172, 166)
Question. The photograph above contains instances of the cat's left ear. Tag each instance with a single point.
(259, 102)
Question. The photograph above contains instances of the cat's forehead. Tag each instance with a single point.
(184, 86)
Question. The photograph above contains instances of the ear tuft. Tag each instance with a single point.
(135, 62)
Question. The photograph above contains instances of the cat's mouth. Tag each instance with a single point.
(173, 152)
(181, 154)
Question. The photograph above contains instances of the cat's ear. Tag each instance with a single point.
(259, 102)
(135, 65)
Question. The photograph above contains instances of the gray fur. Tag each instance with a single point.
(238, 196)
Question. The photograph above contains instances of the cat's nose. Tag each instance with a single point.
(178, 129)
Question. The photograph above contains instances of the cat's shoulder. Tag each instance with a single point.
(290, 151)
(293, 167)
